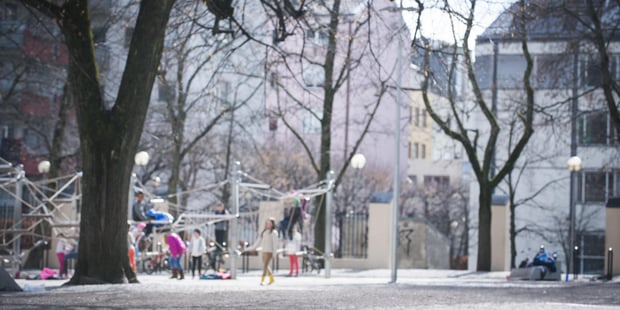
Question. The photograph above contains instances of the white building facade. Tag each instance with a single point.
(571, 119)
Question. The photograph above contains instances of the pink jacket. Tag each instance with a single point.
(176, 245)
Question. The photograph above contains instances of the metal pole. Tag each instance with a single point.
(17, 217)
(396, 187)
(132, 180)
(573, 152)
(571, 229)
(232, 246)
(494, 89)
(328, 224)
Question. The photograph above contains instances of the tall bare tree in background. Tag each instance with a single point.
(481, 156)
(195, 102)
(51, 122)
(310, 78)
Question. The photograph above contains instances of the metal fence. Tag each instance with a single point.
(351, 235)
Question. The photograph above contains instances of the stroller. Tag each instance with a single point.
(313, 259)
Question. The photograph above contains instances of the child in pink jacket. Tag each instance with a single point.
(177, 248)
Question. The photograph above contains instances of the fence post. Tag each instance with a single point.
(610, 263)
(17, 218)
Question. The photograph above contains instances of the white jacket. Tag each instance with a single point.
(267, 242)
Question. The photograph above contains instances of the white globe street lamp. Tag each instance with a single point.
(574, 163)
(44, 167)
(358, 161)
(142, 158)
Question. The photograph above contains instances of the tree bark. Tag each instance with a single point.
(485, 199)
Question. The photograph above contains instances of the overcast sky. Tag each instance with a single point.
(436, 25)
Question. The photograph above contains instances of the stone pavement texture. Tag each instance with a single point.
(346, 289)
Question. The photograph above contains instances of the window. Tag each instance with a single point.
(312, 121)
(510, 71)
(318, 37)
(553, 71)
(613, 66)
(595, 128)
(589, 68)
(8, 12)
(594, 186)
(437, 182)
(273, 123)
(102, 55)
(598, 186)
(424, 118)
(128, 35)
(416, 119)
(99, 34)
(409, 155)
(222, 92)
(166, 92)
(423, 151)
(273, 79)
(31, 139)
(313, 75)
(416, 151)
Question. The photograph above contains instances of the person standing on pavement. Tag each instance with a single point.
(61, 247)
(267, 244)
(197, 248)
(221, 227)
(292, 247)
(177, 248)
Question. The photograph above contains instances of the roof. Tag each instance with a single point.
(381, 197)
(551, 20)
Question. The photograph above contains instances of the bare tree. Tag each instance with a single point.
(488, 173)
(34, 79)
(336, 53)
(196, 102)
(600, 20)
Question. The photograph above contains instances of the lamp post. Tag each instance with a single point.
(396, 187)
(574, 166)
(357, 163)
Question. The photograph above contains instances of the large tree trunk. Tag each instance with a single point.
(485, 199)
(326, 122)
(108, 136)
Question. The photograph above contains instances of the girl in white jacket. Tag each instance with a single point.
(267, 244)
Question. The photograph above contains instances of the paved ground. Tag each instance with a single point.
(346, 289)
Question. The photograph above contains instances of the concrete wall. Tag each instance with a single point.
(500, 238)
(422, 246)
(612, 237)
(437, 249)
(379, 219)
(411, 244)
